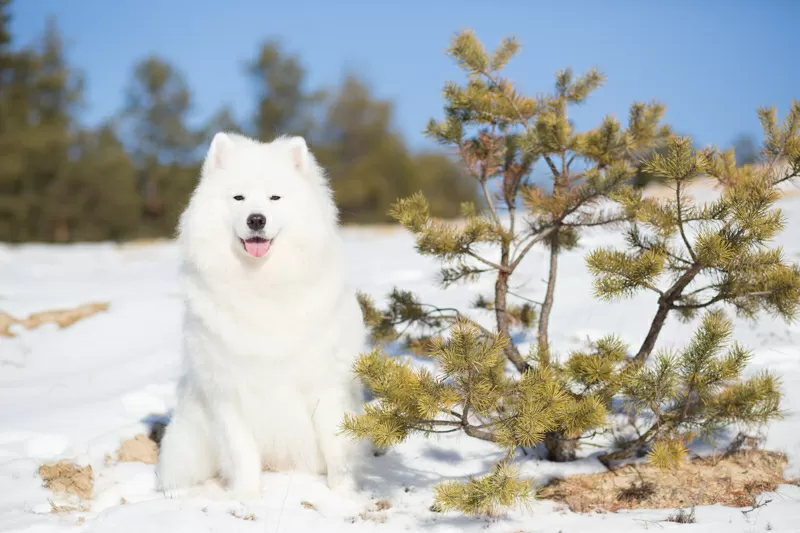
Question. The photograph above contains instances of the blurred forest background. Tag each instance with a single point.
(130, 176)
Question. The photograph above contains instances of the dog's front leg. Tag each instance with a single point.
(337, 450)
(240, 459)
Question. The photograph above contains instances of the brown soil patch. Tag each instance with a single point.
(733, 480)
(63, 317)
(382, 505)
(6, 321)
(138, 449)
(67, 477)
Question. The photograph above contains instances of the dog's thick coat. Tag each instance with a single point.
(270, 328)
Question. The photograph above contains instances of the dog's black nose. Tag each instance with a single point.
(256, 222)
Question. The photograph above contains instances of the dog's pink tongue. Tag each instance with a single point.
(256, 248)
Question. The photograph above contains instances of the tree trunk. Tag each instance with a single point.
(559, 448)
(652, 335)
(500, 303)
(61, 231)
(664, 305)
(547, 306)
(151, 203)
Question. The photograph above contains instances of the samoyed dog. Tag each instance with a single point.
(270, 328)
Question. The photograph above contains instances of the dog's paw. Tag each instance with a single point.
(343, 483)
(245, 490)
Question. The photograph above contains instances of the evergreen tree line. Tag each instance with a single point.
(131, 176)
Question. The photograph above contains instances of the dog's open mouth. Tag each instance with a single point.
(256, 246)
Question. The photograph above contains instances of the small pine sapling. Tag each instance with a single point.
(499, 134)
(693, 256)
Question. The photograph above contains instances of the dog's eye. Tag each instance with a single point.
(238, 197)
(274, 197)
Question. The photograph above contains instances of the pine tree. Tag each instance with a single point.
(100, 197)
(15, 84)
(499, 135)
(40, 94)
(370, 165)
(57, 98)
(284, 105)
(164, 146)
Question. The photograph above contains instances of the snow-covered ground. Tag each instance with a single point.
(76, 393)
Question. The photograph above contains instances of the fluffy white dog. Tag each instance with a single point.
(270, 330)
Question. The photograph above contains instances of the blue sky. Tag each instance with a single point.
(711, 62)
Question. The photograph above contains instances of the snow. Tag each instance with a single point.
(78, 392)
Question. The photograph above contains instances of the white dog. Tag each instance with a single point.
(270, 330)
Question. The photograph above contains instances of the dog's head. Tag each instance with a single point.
(262, 195)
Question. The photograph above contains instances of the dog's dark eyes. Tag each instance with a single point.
(238, 197)
(274, 197)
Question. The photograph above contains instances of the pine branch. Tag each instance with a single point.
(490, 202)
(514, 106)
(595, 223)
(524, 298)
(680, 222)
(486, 261)
(542, 235)
(438, 432)
(665, 302)
(701, 289)
(469, 429)
(571, 159)
(552, 166)
(720, 297)
(795, 172)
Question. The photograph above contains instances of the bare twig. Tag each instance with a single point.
(490, 202)
(756, 505)
(484, 261)
(542, 235)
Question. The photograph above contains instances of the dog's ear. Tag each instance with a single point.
(220, 151)
(300, 154)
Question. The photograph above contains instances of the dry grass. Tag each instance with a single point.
(308, 505)
(682, 516)
(249, 517)
(62, 317)
(733, 480)
(376, 513)
(60, 509)
(67, 477)
(371, 516)
(138, 449)
(382, 505)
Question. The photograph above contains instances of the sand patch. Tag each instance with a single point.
(138, 449)
(68, 478)
(62, 317)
